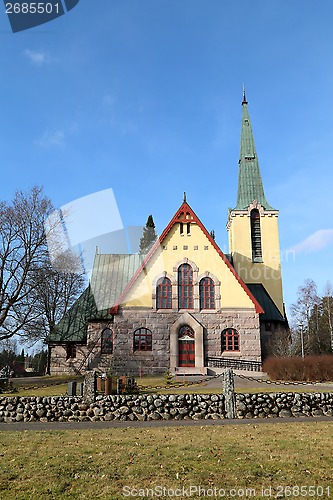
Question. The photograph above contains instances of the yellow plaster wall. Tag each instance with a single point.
(269, 271)
(232, 294)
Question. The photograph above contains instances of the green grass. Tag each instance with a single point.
(57, 386)
(87, 464)
(44, 386)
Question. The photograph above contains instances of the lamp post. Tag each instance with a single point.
(302, 339)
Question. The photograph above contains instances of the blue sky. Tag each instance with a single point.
(144, 97)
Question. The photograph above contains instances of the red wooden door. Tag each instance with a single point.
(186, 347)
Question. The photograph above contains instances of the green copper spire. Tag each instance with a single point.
(250, 186)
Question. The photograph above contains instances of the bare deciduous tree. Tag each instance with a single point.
(313, 319)
(22, 247)
(57, 286)
(327, 307)
(26, 275)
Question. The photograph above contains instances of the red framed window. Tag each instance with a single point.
(163, 294)
(207, 293)
(256, 235)
(143, 340)
(230, 340)
(107, 341)
(185, 287)
(71, 350)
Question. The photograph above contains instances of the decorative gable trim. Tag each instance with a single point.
(186, 214)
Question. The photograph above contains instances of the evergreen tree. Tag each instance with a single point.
(149, 236)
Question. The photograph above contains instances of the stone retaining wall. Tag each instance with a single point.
(162, 407)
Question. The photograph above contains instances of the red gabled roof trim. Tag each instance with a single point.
(185, 208)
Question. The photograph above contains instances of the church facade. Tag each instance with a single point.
(185, 306)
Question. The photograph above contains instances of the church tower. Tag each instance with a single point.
(253, 228)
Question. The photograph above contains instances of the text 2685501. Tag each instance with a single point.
(32, 8)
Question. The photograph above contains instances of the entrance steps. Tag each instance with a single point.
(190, 370)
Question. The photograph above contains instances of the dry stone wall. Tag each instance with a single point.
(163, 407)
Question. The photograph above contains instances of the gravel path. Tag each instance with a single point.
(65, 426)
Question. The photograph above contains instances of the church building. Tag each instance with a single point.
(185, 306)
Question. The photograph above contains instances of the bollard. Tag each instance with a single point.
(79, 389)
(108, 386)
(229, 393)
(119, 386)
(71, 389)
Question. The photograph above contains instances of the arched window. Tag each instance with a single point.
(185, 287)
(163, 294)
(143, 340)
(107, 341)
(230, 340)
(207, 293)
(256, 236)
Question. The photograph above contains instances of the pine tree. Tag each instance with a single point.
(149, 236)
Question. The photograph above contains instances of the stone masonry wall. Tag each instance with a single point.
(163, 407)
(126, 362)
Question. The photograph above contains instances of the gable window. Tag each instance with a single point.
(256, 236)
(207, 293)
(71, 350)
(230, 340)
(143, 340)
(107, 341)
(185, 287)
(163, 294)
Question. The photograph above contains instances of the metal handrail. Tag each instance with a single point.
(237, 364)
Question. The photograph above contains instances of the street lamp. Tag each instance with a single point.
(302, 339)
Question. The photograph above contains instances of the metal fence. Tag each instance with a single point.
(236, 364)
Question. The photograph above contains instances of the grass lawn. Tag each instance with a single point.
(92, 464)
(55, 386)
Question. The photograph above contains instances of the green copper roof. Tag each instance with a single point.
(110, 275)
(73, 326)
(271, 311)
(250, 186)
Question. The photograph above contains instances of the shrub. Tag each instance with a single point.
(309, 369)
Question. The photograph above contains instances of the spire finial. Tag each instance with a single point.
(244, 96)
(184, 201)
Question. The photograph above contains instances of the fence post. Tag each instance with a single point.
(229, 393)
(119, 386)
(89, 386)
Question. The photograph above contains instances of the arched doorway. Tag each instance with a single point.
(186, 346)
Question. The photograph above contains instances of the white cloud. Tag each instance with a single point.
(37, 57)
(316, 241)
(56, 138)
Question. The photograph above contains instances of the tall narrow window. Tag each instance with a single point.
(70, 350)
(143, 340)
(230, 340)
(163, 294)
(207, 293)
(107, 341)
(256, 236)
(185, 287)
